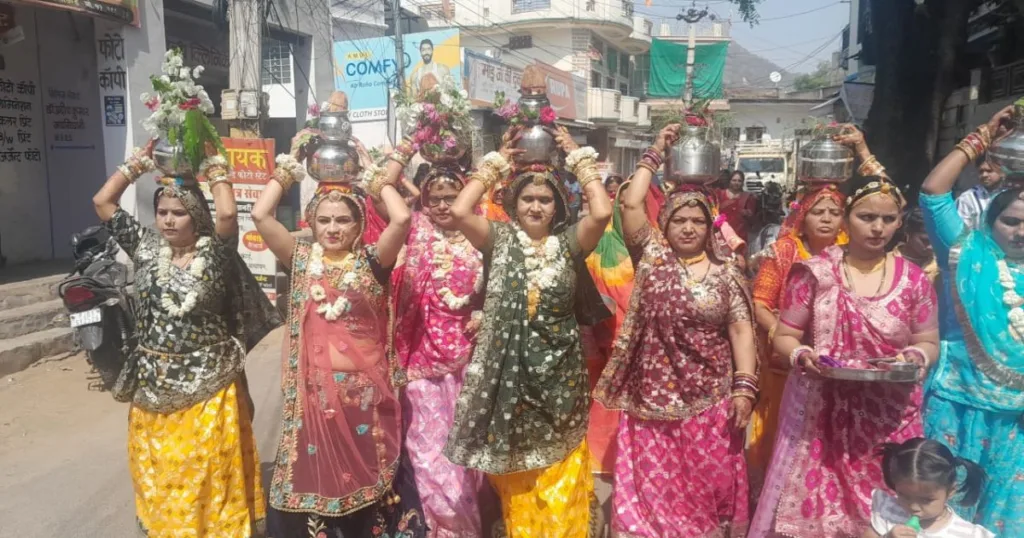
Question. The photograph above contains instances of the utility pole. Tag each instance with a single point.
(246, 67)
(396, 14)
(692, 16)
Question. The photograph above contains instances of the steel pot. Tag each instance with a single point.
(335, 126)
(824, 160)
(443, 156)
(694, 158)
(538, 146)
(334, 162)
(170, 160)
(1007, 153)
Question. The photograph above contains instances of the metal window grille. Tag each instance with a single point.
(277, 62)
(526, 6)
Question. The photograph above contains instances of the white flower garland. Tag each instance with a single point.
(1013, 301)
(163, 277)
(291, 166)
(579, 155)
(444, 252)
(543, 265)
(496, 160)
(315, 268)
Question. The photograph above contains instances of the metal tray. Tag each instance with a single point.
(894, 373)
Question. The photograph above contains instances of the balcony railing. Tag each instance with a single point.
(628, 111)
(604, 105)
(527, 6)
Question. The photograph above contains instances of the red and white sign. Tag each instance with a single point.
(563, 92)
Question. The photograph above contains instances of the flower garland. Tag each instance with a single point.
(544, 263)
(444, 252)
(179, 109)
(163, 277)
(1013, 301)
(437, 121)
(510, 111)
(330, 311)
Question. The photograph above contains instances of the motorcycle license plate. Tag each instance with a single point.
(88, 317)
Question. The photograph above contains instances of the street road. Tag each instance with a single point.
(63, 448)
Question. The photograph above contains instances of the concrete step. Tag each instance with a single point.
(27, 292)
(19, 353)
(32, 318)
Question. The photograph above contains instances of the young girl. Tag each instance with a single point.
(923, 473)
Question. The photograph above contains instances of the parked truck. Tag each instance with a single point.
(767, 160)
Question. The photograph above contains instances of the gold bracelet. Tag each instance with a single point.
(487, 175)
(217, 180)
(967, 150)
(985, 134)
(283, 178)
(871, 167)
(647, 166)
(376, 185)
(587, 173)
(399, 158)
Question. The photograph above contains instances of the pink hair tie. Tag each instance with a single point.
(719, 220)
(794, 206)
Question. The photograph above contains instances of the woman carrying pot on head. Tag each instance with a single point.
(684, 370)
(192, 454)
(814, 223)
(975, 397)
(339, 470)
(859, 308)
(439, 297)
(522, 413)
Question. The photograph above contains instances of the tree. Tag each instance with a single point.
(819, 78)
(917, 49)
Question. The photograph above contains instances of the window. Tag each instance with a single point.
(731, 133)
(627, 9)
(526, 6)
(591, 5)
(609, 83)
(613, 60)
(755, 134)
(624, 88)
(595, 79)
(596, 50)
(518, 42)
(277, 62)
(624, 65)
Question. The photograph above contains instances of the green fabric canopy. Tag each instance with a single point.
(668, 69)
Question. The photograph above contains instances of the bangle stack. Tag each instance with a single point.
(745, 385)
(215, 170)
(403, 153)
(975, 144)
(288, 171)
(871, 168)
(794, 357)
(493, 168)
(651, 160)
(374, 180)
(582, 162)
(136, 166)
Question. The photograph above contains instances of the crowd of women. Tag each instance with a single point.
(441, 358)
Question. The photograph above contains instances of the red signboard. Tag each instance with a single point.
(561, 91)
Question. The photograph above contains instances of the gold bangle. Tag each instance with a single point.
(377, 184)
(127, 172)
(587, 173)
(487, 175)
(985, 134)
(647, 166)
(284, 178)
(871, 167)
(399, 158)
(213, 182)
(968, 151)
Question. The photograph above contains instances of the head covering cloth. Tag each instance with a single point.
(689, 195)
(807, 198)
(338, 192)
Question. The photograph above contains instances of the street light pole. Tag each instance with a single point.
(692, 16)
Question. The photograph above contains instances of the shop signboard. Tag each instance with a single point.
(252, 163)
(485, 77)
(567, 95)
(123, 11)
(365, 69)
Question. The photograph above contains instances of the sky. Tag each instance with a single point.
(787, 35)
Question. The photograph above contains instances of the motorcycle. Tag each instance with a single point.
(96, 297)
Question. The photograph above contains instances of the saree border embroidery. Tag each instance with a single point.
(986, 363)
(281, 495)
(167, 382)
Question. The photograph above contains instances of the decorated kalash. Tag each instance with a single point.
(340, 393)
(192, 454)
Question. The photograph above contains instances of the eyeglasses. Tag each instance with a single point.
(434, 202)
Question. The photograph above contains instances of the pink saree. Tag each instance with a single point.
(341, 425)
(825, 464)
(438, 289)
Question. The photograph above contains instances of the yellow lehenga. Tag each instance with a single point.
(191, 448)
(557, 497)
(210, 445)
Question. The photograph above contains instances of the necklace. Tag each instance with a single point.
(694, 260)
(862, 268)
(446, 248)
(315, 270)
(196, 265)
(849, 278)
(544, 263)
(1013, 301)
